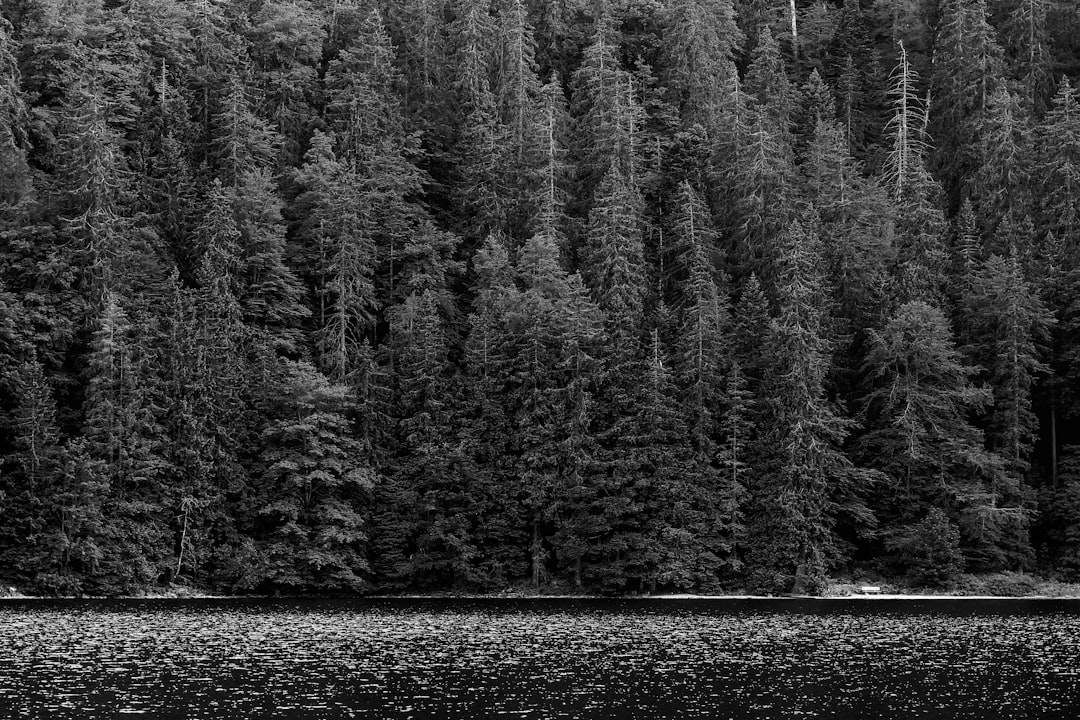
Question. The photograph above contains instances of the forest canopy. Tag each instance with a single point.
(342, 296)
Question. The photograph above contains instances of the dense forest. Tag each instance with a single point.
(637, 295)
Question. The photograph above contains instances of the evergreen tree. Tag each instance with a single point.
(767, 83)
(14, 175)
(999, 184)
(270, 295)
(340, 252)
(701, 40)
(123, 432)
(518, 93)
(919, 435)
(966, 73)
(241, 142)
(287, 40)
(1026, 35)
(1009, 322)
(906, 131)
(806, 482)
(1057, 173)
(851, 68)
(307, 524)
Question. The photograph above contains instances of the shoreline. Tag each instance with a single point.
(995, 586)
(527, 598)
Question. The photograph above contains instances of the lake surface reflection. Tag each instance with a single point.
(540, 659)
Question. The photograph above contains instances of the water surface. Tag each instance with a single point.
(470, 659)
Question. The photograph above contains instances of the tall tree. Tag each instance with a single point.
(918, 433)
(701, 42)
(966, 72)
(806, 482)
(1009, 323)
(314, 477)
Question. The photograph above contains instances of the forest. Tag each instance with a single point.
(606, 296)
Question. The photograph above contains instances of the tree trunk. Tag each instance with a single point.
(180, 555)
(794, 32)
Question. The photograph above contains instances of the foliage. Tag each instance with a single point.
(304, 296)
(929, 550)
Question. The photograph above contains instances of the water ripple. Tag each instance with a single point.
(475, 659)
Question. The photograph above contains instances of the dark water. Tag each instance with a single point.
(470, 659)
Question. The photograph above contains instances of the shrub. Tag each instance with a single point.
(929, 550)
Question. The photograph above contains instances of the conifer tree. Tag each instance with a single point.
(764, 179)
(795, 501)
(34, 422)
(1026, 35)
(314, 478)
(287, 40)
(554, 168)
(14, 171)
(906, 131)
(241, 141)
(270, 295)
(1000, 181)
(918, 433)
(605, 112)
(1009, 322)
(701, 41)
(123, 432)
(423, 49)
(966, 72)
(851, 68)
(340, 253)
(616, 255)
(767, 83)
(481, 143)
(1057, 174)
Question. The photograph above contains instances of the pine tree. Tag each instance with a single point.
(966, 72)
(122, 427)
(340, 251)
(270, 295)
(703, 360)
(241, 142)
(34, 422)
(767, 83)
(918, 433)
(1057, 173)
(606, 113)
(314, 477)
(554, 169)
(764, 178)
(518, 93)
(96, 180)
(482, 141)
(1009, 323)
(423, 51)
(287, 40)
(999, 183)
(851, 68)
(557, 326)
(1027, 37)
(701, 42)
(806, 482)
(14, 171)
(616, 256)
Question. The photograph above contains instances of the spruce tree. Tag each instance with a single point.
(796, 499)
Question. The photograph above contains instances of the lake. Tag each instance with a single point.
(507, 658)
